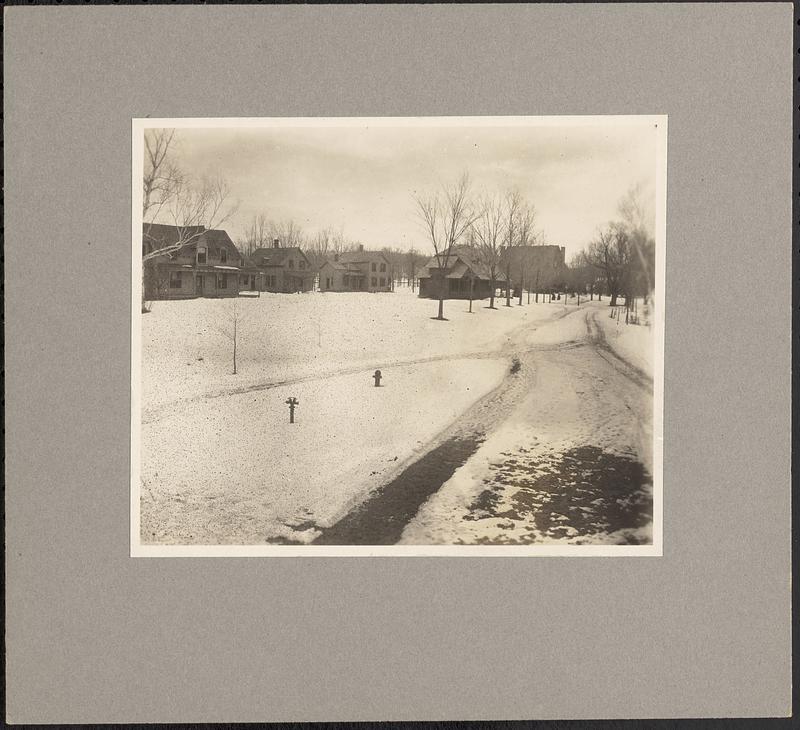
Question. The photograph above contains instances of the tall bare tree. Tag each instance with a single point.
(513, 210)
(160, 175)
(489, 231)
(610, 252)
(528, 236)
(446, 216)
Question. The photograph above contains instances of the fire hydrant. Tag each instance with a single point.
(377, 377)
(292, 402)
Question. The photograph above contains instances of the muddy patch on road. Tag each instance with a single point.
(381, 520)
(579, 493)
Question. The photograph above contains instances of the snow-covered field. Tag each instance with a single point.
(233, 470)
(185, 353)
(220, 461)
(221, 464)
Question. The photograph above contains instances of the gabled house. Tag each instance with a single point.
(356, 271)
(280, 269)
(207, 266)
(461, 276)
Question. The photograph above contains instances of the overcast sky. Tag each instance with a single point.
(362, 179)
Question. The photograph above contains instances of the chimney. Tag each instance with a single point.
(276, 243)
(360, 246)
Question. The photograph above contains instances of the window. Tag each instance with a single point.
(383, 267)
(383, 281)
(175, 280)
(223, 255)
(271, 280)
(222, 281)
(201, 255)
(327, 282)
(291, 263)
(301, 265)
(374, 279)
(374, 266)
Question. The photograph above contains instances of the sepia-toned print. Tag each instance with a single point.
(398, 336)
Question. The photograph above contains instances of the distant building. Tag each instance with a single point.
(356, 271)
(537, 268)
(462, 276)
(207, 266)
(278, 269)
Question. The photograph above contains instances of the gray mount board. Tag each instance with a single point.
(96, 636)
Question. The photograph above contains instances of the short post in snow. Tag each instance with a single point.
(292, 402)
(377, 377)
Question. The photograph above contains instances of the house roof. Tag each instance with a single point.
(340, 266)
(161, 236)
(360, 257)
(220, 239)
(274, 256)
(462, 260)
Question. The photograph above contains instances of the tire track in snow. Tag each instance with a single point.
(508, 349)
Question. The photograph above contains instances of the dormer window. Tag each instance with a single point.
(201, 256)
(223, 255)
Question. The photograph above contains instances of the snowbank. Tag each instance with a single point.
(634, 343)
(233, 470)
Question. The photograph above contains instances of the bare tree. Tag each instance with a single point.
(257, 235)
(230, 327)
(446, 216)
(489, 230)
(638, 219)
(513, 212)
(610, 252)
(160, 176)
(191, 210)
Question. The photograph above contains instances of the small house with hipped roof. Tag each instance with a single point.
(462, 275)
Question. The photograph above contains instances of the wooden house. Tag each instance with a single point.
(356, 271)
(279, 269)
(207, 266)
(461, 276)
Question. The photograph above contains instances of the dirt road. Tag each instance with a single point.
(561, 450)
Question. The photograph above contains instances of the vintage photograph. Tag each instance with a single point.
(398, 336)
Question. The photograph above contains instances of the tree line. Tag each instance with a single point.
(620, 259)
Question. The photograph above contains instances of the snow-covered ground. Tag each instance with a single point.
(233, 469)
(222, 464)
(185, 353)
(220, 461)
